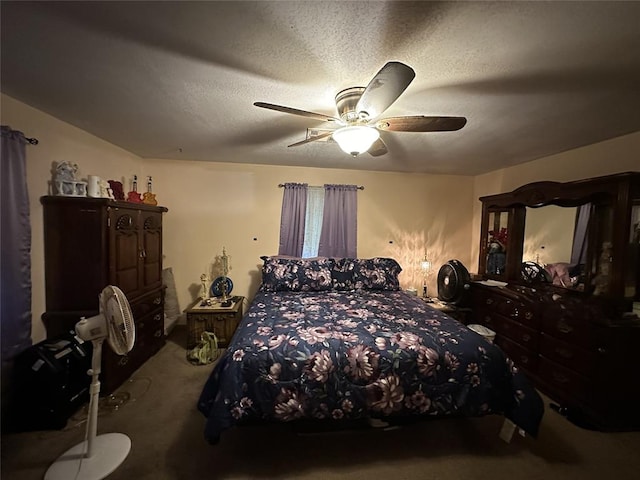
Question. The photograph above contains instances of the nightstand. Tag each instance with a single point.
(462, 314)
(222, 321)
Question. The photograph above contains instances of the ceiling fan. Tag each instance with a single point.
(359, 109)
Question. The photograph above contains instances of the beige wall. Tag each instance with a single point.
(59, 141)
(620, 154)
(216, 204)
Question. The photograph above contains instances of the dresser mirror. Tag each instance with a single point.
(548, 234)
(582, 236)
(496, 239)
(632, 274)
(557, 239)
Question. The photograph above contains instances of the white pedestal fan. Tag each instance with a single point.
(99, 455)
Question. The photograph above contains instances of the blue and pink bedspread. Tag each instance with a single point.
(346, 355)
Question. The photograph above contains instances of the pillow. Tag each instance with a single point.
(368, 274)
(380, 273)
(343, 275)
(296, 274)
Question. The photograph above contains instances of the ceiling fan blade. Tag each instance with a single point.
(421, 123)
(295, 111)
(385, 88)
(378, 148)
(311, 139)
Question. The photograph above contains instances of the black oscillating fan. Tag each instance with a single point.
(453, 282)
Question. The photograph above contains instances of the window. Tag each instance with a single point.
(313, 221)
(318, 221)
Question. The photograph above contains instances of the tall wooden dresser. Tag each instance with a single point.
(94, 242)
(575, 335)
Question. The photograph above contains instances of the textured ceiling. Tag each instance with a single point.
(178, 79)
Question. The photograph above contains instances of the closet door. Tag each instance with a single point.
(75, 242)
(151, 227)
(126, 251)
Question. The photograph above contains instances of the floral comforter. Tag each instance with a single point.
(351, 355)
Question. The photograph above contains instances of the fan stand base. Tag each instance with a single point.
(110, 450)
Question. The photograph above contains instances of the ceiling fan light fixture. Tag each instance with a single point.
(356, 139)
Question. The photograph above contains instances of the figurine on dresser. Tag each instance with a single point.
(601, 280)
(65, 183)
(204, 289)
(117, 189)
(133, 196)
(496, 258)
(149, 197)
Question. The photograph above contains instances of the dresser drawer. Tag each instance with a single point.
(117, 368)
(520, 311)
(567, 381)
(503, 326)
(150, 332)
(523, 358)
(145, 304)
(567, 328)
(569, 355)
(223, 325)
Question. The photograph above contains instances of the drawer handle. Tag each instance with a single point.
(563, 352)
(123, 360)
(564, 327)
(156, 317)
(524, 359)
(157, 301)
(528, 315)
(560, 377)
(487, 320)
(602, 350)
(489, 301)
(526, 337)
(158, 333)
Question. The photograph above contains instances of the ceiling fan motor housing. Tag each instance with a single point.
(346, 102)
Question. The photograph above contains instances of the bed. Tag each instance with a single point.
(336, 339)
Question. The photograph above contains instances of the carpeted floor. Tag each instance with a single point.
(166, 431)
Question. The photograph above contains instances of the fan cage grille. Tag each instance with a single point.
(121, 326)
(453, 281)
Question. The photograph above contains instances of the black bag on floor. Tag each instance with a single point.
(50, 383)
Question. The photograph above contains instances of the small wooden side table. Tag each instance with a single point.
(222, 321)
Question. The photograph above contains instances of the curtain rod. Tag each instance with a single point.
(359, 187)
(32, 141)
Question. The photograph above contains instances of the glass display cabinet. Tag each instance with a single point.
(566, 309)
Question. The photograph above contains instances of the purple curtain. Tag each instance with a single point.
(15, 253)
(339, 222)
(294, 207)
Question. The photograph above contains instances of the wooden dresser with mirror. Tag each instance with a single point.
(560, 264)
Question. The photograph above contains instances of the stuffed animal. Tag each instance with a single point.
(66, 171)
(560, 274)
(601, 280)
